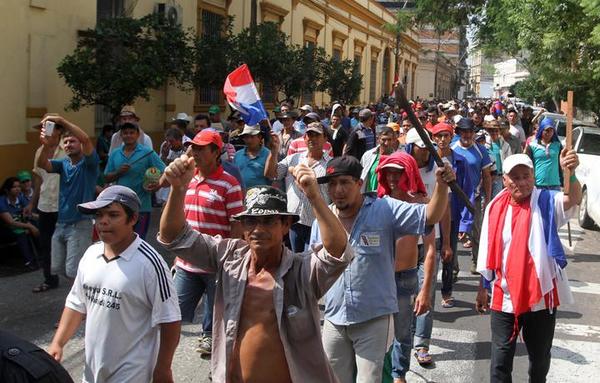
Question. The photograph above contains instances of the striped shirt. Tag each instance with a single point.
(297, 201)
(209, 204)
(299, 146)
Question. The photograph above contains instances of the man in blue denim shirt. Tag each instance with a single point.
(358, 325)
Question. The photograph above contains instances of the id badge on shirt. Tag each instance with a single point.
(370, 239)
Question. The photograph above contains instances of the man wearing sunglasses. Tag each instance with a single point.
(266, 317)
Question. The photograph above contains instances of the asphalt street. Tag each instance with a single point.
(460, 341)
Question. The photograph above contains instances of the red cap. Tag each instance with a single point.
(208, 136)
(442, 127)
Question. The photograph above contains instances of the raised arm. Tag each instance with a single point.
(333, 234)
(179, 174)
(439, 199)
(273, 158)
(87, 145)
(570, 160)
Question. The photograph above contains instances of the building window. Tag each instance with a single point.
(337, 54)
(211, 24)
(108, 9)
(373, 81)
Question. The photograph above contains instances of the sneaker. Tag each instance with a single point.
(205, 345)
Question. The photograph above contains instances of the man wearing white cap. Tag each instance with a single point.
(522, 261)
(128, 115)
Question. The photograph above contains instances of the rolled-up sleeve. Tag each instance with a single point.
(199, 249)
(325, 269)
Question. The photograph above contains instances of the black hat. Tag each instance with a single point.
(288, 114)
(311, 117)
(342, 166)
(265, 200)
(465, 124)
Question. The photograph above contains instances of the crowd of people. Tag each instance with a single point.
(341, 204)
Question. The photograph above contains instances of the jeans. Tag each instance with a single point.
(47, 223)
(299, 237)
(449, 266)
(423, 324)
(407, 283)
(69, 242)
(538, 333)
(26, 244)
(356, 352)
(142, 225)
(190, 288)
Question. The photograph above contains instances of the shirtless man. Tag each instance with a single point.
(266, 316)
(400, 179)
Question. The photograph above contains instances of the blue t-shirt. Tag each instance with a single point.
(252, 169)
(367, 288)
(14, 209)
(140, 160)
(477, 159)
(77, 185)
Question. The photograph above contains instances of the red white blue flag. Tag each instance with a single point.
(242, 95)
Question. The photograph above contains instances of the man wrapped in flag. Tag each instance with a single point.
(522, 259)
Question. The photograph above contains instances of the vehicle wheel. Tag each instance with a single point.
(585, 220)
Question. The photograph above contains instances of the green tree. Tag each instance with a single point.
(122, 59)
(404, 21)
(303, 69)
(213, 56)
(342, 80)
(557, 41)
(265, 49)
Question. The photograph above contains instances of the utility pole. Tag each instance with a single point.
(253, 14)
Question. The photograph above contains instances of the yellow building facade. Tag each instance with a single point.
(37, 34)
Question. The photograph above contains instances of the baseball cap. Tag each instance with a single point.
(515, 160)
(412, 137)
(115, 193)
(311, 116)
(365, 113)
(306, 108)
(315, 127)
(214, 109)
(442, 127)
(341, 166)
(465, 124)
(208, 136)
(24, 175)
(395, 126)
(393, 165)
(250, 130)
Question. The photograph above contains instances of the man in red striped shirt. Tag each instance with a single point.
(212, 198)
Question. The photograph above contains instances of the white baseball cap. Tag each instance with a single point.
(306, 108)
(515, 160)
(412, 137)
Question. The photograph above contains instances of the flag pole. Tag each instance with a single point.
(402, 102)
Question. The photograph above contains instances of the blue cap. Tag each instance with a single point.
(465, 124)
(115, 193)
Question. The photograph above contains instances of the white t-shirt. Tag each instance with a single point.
(49, 189)
(116, 141)
(428, 178)
(125, 300)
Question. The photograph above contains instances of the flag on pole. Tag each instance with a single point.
(242, 95)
